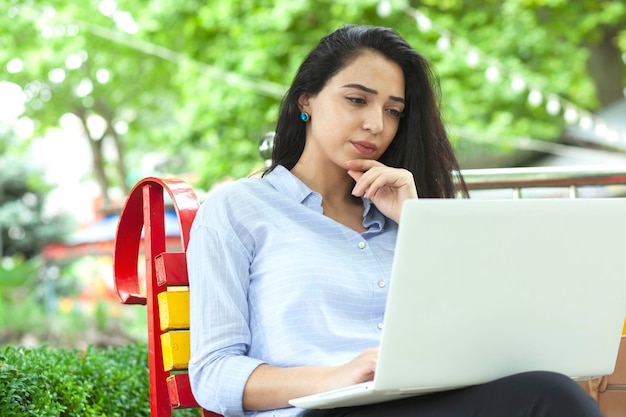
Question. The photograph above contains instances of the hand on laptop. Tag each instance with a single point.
(360, 369)
(387, 187)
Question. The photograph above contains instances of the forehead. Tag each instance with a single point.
(372, 70)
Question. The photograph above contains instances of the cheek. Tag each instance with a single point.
(389, 136)
(383, 148)
(390, 132)
(321, 116)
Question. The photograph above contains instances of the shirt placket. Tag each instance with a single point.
(379, 284)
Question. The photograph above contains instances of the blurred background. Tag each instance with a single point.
(97, 94)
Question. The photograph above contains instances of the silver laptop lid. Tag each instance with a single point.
(485, 288)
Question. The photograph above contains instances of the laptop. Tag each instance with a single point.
(482, 289)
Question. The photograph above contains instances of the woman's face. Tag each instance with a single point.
(356, 114)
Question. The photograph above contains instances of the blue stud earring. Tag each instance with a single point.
(304, 116)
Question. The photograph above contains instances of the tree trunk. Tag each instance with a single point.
(107, 114)
(606, 67)
(95, 144)
(121, 166)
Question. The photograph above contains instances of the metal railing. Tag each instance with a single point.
(599, 181)
(546, 181)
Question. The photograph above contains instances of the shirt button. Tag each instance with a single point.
(380, 326)
(361, 245)
(381, 284)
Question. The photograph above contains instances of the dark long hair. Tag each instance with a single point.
(421, 143)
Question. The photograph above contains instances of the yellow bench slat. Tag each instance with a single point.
(174, 310)
(175, 345)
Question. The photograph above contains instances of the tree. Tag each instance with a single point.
(24, 227)
(65, 69)
(200, 82)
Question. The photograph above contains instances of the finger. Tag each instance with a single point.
(376, 179)
(356, 175)
(376, 184)
(363, 164)
(362, 182)
(374, 176)
(370, 181)
(371, 352)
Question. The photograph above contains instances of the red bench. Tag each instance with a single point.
(166, 293)
(166, 296)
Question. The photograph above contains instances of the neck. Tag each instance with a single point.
(333, 184)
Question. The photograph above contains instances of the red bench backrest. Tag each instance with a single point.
(144, 210)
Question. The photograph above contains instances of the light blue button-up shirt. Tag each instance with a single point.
(275, 281)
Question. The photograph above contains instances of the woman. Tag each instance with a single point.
(289, 272)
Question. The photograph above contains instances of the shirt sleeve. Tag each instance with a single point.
(218, 264)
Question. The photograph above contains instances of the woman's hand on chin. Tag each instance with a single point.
(387, 187)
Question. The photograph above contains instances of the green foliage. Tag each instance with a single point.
(24, 227)
(42, 304)
(47, 382)
(200, 82)
(111, 382)
(21, 310)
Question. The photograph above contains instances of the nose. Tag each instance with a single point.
(374, 120)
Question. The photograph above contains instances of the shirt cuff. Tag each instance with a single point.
(219, 386)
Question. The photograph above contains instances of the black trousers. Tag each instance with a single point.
(530, 394)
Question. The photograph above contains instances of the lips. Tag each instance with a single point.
(365, 148)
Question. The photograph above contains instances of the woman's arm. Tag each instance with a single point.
(269, 387)
(219, 335)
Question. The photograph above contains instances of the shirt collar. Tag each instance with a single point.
(288, 184)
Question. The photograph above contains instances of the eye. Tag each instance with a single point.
(357, 100)
(395, 113)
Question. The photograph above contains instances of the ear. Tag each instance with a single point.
(303, 102)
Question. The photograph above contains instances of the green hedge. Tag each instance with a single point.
(71, 383)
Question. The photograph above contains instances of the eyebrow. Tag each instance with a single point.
(372, 91)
